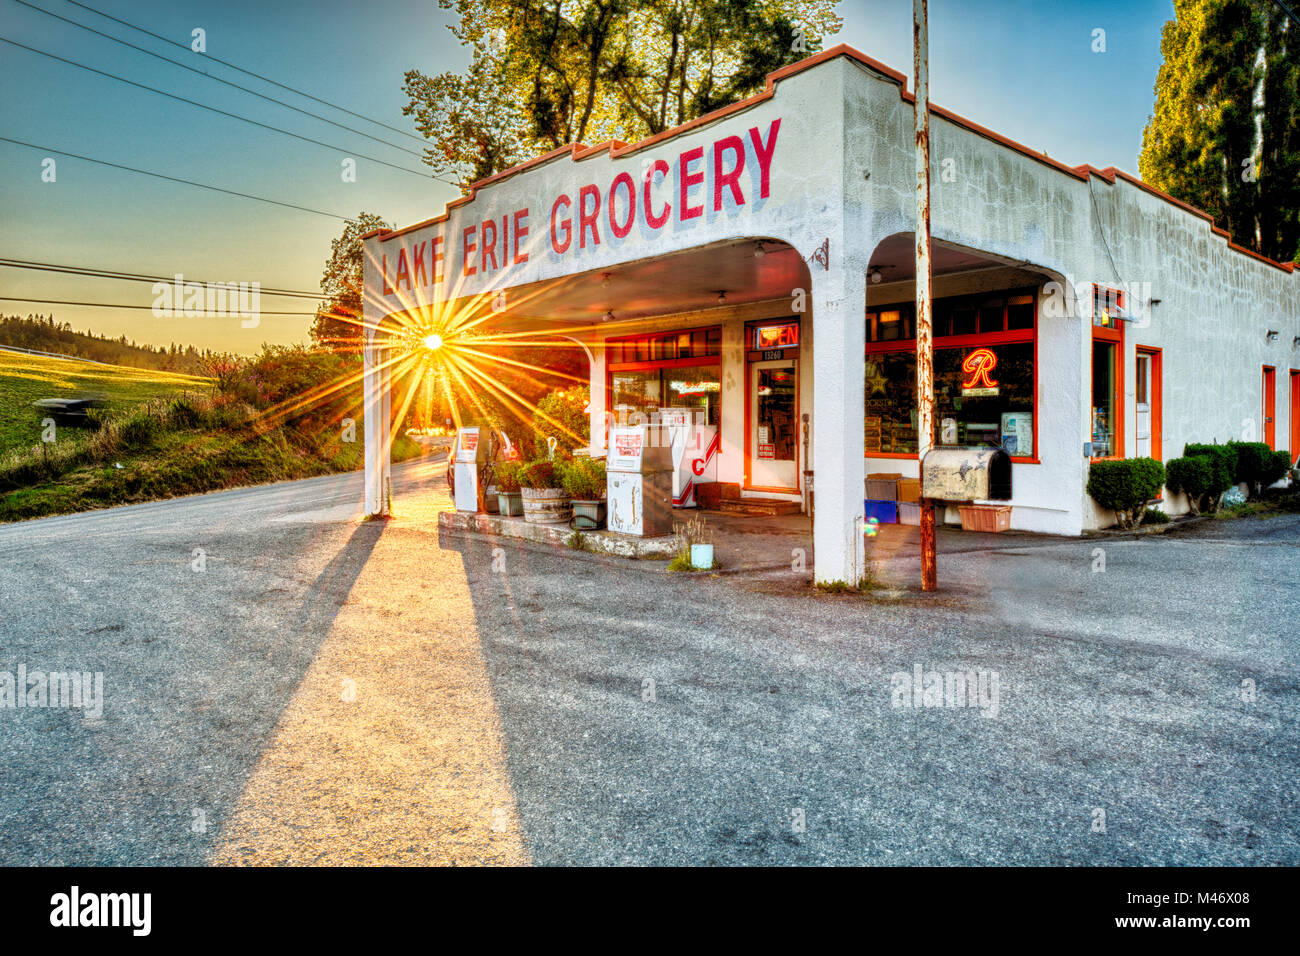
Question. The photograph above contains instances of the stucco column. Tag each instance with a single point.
(839, 307)
(378, 439)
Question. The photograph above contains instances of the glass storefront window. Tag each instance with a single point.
(890, 403)
(1103, 399)
(984, 386)
(636, 391)
(666, 370)
(698, 386)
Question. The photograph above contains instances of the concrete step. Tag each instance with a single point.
(759, 506)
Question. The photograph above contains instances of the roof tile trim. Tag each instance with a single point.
(614, 148)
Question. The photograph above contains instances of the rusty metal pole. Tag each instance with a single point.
(924, 340)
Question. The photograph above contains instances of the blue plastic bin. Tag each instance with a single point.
(885, 512)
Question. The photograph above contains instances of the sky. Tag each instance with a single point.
(1025, 69)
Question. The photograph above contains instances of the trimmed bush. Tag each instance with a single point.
(584, 479)
(1224, 453)
(1125, 486)
(1253, 463)
(1278, 465)
(1156, 516)
(1195, 477)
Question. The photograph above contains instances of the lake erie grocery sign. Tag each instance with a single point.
(731, 173)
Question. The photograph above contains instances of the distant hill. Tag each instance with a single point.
(43, 334)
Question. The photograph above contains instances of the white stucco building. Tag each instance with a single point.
(756, 265)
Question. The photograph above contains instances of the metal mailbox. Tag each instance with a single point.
(639, 481)
(471, 456)
(965, 473)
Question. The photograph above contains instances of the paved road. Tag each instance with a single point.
(330, 691)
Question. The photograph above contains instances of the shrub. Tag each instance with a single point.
(1156, 516)
(1125, 486)
(539, 474)
(1253, 463)
(1196, 477)
(560, 415)
(140, 431)
(1279, 464)
(584, 479)
(507, 476)
(184, 412)
(1227, 454)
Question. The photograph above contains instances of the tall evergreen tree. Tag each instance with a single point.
(1225, 132)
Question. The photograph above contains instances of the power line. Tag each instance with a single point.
(118, 305)
(213, 109)
(174, 179)
(167, 59)
(133, 276)
(264, 79)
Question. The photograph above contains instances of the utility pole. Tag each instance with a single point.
(924, 339)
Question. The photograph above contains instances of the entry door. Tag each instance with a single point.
(1147, 405)
(1295, 416)
(774, 425)
(1270, 404)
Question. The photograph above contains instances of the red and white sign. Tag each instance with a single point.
(628, 445)
(767, 451)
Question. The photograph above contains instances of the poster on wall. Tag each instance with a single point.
(1018, 434)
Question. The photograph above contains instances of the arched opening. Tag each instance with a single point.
(708, 338)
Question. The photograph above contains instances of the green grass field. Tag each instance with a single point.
(162, 435)
(27, 378)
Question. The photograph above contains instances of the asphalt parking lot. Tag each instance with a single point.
(327, 691)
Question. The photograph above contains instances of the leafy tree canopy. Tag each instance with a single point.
(341, 285)
(1225, 133)
(547, 73)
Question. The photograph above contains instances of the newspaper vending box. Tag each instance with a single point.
(639, 481)
(471, 456)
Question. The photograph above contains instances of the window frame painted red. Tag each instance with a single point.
(976, 340)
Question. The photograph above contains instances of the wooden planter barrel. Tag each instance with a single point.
(547, 505)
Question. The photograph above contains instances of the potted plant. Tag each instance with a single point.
(545, 500)
(584, 480)
(509, 500)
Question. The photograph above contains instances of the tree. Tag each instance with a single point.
(1225, 132)
(341, 284)
(547, 73)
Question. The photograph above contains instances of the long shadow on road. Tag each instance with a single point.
(198, 666)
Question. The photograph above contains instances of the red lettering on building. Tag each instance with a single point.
(436, 245)
(653, 221)
(403, 271)
(588, 219)
(467, 250)
(686, 181)
(417, 256)
(566, 223)
(521, 230)
(732, 177)
(488, 244)
(621, 231)
(764, 153)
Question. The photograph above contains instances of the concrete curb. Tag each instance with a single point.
(558, 535)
